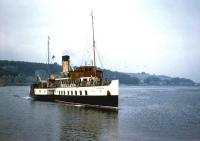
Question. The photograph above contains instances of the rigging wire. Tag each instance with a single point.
(99, 58)
(84, 52)
(86, 56)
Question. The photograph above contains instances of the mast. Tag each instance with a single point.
(48, 57)
(93, 40)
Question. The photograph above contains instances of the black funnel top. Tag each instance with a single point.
(65, 58)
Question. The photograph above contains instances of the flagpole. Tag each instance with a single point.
(48, 58)
(93, 39)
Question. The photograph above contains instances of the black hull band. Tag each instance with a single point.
(92, 100)
(43, 98)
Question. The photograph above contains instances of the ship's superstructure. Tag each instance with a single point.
(83, 85)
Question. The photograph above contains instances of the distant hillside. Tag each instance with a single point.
(24, 73)
(148, 79)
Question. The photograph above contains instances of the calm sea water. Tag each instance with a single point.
(145, 114)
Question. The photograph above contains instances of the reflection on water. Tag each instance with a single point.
(145, 114)
(57, 121)
(87, 124)
(24, 119)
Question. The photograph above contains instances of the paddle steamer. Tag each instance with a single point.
(83, 85)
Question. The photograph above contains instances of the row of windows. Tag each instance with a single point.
(72, 92)
(70, 81)
(41, 91)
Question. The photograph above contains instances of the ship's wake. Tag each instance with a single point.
(27, 97)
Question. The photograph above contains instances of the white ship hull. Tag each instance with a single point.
(106, 95)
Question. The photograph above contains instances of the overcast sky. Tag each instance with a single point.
(153, 36)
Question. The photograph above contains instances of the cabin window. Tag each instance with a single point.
(67, 92)
(80, 92)
(64, 92)
(75, 92)
(71, 92)
(61, 92)
(86, 92)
